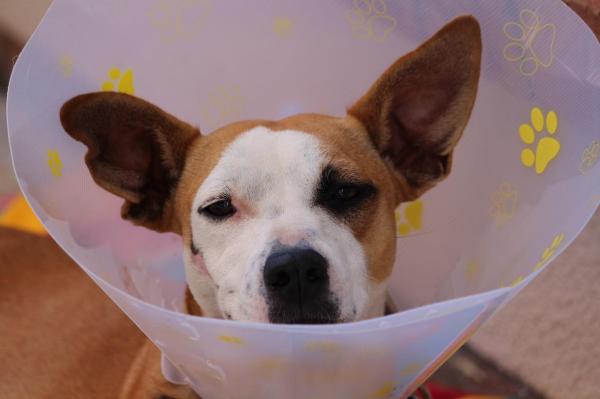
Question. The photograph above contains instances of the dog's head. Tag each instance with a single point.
(289, 221)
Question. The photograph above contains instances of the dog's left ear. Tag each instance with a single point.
(416, 111)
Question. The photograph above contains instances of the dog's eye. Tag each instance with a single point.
(346, 196)
(339, 195)
(346, 193)
(219, 210)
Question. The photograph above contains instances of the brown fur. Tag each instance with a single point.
(62, 337)
(144, 379)
(191, 306)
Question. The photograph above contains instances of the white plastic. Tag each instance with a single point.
(463, 250)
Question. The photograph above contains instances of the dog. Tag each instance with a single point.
(288, 221)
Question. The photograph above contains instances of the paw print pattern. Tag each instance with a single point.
(384, 392)
(532, 44)
(117, 81)
(411, 369)
(517, 281)
(409, 218)
(370, 19)
(472, 269)
(179, 19)
(282, 27)
(266, 367)
(66, 65)
(54, 163)
(504, 205)
(590, 157)
(547, 147)
(513, 284)
(549, 252)
(230, 339)
(323, 346)
(225, 104)
(544, 259)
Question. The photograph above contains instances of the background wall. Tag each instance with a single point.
(549, 335)
(20, 17)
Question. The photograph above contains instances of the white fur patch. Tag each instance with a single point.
(272, 178)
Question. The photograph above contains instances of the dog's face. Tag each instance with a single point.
(289, 221)
(291, 224)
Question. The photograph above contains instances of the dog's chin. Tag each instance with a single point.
(305, 320)
(296, 319)
(327, 314)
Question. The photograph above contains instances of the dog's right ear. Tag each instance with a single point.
(135, 150)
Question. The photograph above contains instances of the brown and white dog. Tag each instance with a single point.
(288, 221)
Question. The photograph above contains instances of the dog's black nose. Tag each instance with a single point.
(297, 284)
(296, 274)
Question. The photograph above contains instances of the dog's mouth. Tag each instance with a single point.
(296, 281)
(325, 312)
(306, 320)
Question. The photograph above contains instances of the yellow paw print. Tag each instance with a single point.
(123, 82)
(472, 269)
(590, 157)
(323, 346)
(225, 104)
(66, 65)
(504, 203)
(548, 252)
(385, 391)
(267, 367)
(282, 27)
(179, 19)
(547, 147)
(370, 20)
(513, 284)
(411, 369)
(409, 218)
(517, 281)
(532, 44)
(230, 339)
(54, 163)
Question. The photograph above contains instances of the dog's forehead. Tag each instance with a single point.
(262, 159)
(300, 144)
(269, 150)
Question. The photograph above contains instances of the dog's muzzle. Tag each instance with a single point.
(297, 285)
